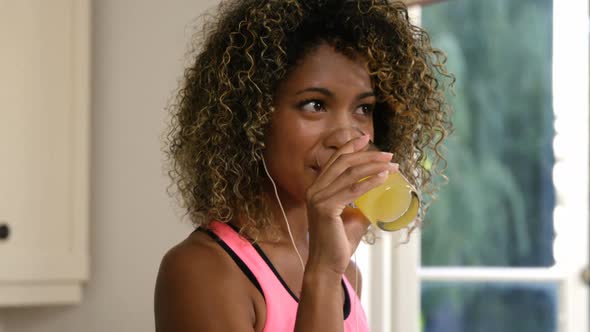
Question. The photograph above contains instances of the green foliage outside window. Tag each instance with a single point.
(497, 208)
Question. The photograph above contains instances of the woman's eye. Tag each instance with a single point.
(366, 109)
(312, 106)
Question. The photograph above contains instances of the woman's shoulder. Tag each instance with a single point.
(193, 276)
(197, 255)
(198, 262)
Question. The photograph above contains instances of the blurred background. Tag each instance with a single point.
(497, 210)
(488, 248)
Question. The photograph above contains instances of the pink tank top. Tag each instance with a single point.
(281, 302)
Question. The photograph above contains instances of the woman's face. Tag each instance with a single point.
(326, 101)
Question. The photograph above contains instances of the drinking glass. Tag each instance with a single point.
(391, 206)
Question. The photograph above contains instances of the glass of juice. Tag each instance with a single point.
(391, 206)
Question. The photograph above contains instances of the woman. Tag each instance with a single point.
(268, 144)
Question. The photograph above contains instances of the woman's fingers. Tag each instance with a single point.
(332, 205)
(355, 144)
(352, 177)
(346, 168)
(355, 226)
(351, 192)
(347, 161)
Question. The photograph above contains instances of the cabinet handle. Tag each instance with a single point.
(4, 231)
(586, 275)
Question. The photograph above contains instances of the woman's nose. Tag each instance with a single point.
(340, 136)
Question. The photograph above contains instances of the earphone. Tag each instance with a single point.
(356, 277)
(284, 214)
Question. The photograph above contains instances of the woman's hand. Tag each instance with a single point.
(335, 229)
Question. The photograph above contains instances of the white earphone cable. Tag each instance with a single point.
(284, 215)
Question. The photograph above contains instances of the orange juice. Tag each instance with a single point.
(391, 206)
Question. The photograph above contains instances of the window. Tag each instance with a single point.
(503, 247)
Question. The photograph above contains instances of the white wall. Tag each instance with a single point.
(138, 50)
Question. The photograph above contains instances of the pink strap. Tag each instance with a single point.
(281, 308)
(356, 311)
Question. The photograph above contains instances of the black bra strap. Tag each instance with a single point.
(235, 257)
(347, 305)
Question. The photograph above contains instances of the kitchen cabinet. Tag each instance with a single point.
(44, 150)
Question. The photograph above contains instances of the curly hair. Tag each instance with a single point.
(223, 106)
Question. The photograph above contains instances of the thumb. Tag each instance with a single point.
(355, 225)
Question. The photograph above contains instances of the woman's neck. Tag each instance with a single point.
(296, 217)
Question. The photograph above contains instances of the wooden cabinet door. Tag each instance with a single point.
(44, 149)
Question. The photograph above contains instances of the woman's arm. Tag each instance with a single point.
(335, 230)
(320, 306)
(321, 298)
